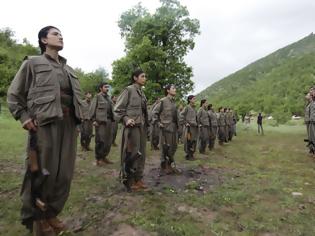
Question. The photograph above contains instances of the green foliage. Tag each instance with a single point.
(157, 43)
(89, 81)
(275, 84)
(11, 57)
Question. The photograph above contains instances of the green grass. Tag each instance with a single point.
(258, 175)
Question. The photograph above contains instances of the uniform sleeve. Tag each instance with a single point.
(93, 108)
(120, 108)
(18, 91)
(182, 116)
(156, 113)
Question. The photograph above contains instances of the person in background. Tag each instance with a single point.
(154, 128)
(204, 126)
(115, 123)
(213, 127)
(131, 110)
(102, 115)
(86, 127)
(188, 118)
(166, 116)
(260, 124)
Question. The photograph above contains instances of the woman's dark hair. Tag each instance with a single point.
(202, 102)
(101, 85)
(136, 73)
(189, 98)
(220, 109)
(209, 107)
(43, 34)
(168, 87)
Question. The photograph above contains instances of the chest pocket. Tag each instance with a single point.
(101, 105)
(43, 75)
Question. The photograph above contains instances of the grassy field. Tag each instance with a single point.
(243, 188)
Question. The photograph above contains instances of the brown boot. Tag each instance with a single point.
(100, 162)
(135, 187)
(168, 169)
(141, 184)
(42, 228)
(57, 225)
(174, 170)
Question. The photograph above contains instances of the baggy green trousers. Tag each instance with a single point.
(134, 140)
(56, 143)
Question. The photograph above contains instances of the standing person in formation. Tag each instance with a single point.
(221, 126)
(234, 119)
(259, 123)
(227, 125)
(180, 126)
(115, 123)
(86, 128)
(45, 96)
(308, 99)
(312, 122)
(188, 118)
(102, 115)
(166, 116)
(213, 127)
(204, 126)
(231, 124)
(131, 109)
(154, 128)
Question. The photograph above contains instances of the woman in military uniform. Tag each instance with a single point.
(165, 115)
(131, 110)
(45, 96)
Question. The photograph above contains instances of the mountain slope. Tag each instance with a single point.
(275, 84)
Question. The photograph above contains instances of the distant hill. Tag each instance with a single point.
(275, 84)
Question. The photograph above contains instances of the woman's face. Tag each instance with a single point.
(141, 79)
(53, 40)
(192, 101)
(172, 91)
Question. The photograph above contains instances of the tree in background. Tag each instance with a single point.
(11, 57)
(89, 81)
(157, 43)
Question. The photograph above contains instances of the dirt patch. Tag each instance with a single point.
(199, 178)
(127, 230)
(11, 167)
(203, 214)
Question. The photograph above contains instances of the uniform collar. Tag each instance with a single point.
(171, 98)
(137, 86)
(61, 59)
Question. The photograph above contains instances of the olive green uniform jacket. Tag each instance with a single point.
(132, 104)
(48, 93)
(165, 115)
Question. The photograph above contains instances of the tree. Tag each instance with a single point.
(89, 81)
(11, 57)
(157, 43)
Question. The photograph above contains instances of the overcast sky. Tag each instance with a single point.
(233, 33)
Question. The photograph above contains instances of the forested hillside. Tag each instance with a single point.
(275, 84)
